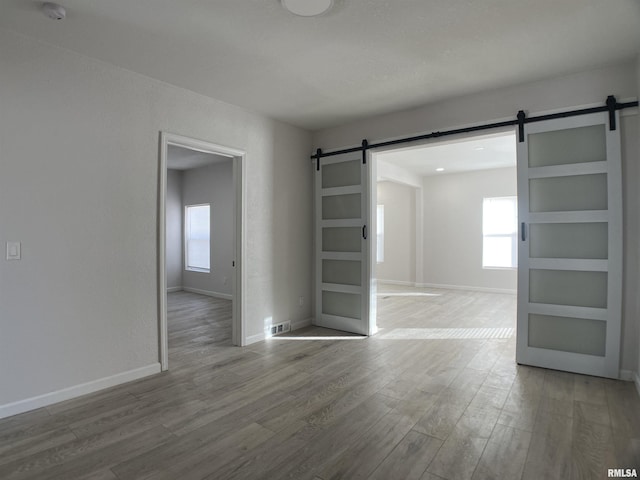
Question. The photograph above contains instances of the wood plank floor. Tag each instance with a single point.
(435, 395)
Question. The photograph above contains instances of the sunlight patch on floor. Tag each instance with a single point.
(446, 333)
(318, 337)
(408, 294)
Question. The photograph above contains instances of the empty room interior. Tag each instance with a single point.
(319, 239)
(447, 238)
(199, 213)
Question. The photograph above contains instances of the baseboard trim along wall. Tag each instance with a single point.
(295, 325)
(398, 282)
(298, 324)
(174, 289)
(225, 296)
(627, 375)
(255, 338)
(448, 287)
(40, 401)
(631, 376)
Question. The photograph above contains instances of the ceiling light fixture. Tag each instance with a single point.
(439, 169)
(54, 11)
(307, 8)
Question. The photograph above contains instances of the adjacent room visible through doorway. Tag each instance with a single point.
(199, 248)
(446, 259)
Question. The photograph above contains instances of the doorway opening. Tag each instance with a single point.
(440, 251)
(200, 238)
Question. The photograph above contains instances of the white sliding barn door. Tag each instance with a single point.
(342, 234)
(570, 248)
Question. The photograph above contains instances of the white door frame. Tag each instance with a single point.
(238, 276)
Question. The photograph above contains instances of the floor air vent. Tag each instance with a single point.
(280, 328)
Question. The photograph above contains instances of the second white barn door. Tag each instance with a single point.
(570, 248)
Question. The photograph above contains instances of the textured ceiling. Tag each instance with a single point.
(179, 158)
(364, 57)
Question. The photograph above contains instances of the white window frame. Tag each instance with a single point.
(513, 235)
(188, 267)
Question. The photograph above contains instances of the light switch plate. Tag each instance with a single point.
(13, 250)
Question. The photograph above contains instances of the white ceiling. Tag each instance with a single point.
(455, 156)
(179, 158)
(364, 57)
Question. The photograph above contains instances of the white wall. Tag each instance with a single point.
(174, 229)
(79, 188)
(453, 228)
(386, 171)
(635, 247)
(399, 233)
(631, 240)
(213, 184)
(591, 87)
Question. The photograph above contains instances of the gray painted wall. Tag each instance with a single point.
(585, 88)
(399, 232)
(174, 227)
(453, 228)
(213, 184)
(637, 258)
(452, 232)
(79, 189)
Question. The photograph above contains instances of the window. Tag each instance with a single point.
(380, 234)
(197, 237)
(500, 232)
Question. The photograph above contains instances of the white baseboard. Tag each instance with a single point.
(32, 403)
(627, 375)
(298, 324)
(469, 288)
(449, 287)
(398, 282)
(295, 325)
(631, 376)
(255, 338)
(174, 289)
(225, 296)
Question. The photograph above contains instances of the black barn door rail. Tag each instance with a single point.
(611, 105)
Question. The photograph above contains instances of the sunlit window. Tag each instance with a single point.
(500, 232)
(197, 237)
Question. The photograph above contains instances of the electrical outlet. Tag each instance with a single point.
(301, 301)
(224, 280)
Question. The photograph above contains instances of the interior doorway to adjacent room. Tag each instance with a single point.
(200, 233)
(446, 225)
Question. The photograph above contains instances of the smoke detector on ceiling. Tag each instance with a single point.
(54, 11)
(307, 8)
